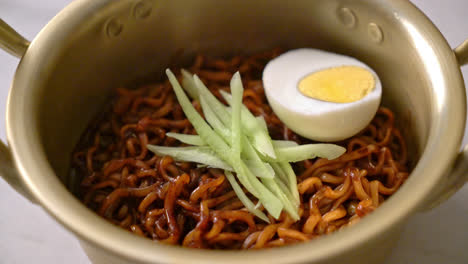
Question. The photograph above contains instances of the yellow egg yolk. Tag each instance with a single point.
(342, 84)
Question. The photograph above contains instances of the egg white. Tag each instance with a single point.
(311, 118)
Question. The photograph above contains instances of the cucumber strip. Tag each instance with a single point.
(289, 206)
(284, 143)
(261, 121)
(263, 144)
(271, 203)
(279, 173)
(287, 184)
(287, 192)
(203, 155)
(214, 122)
(292, 179)
(244, 199)
(260, 138)
(237, 91)
(200, 125)
(187, 139)
(197, 141)
(263, 170)
(245, 180)
(253, 169)
(189, 84)
(218, 108)
(256, 165)
(309, 151)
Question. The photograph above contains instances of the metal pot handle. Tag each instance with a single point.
(461, 52)
(11, 41)
(459, 174)
(16, 45)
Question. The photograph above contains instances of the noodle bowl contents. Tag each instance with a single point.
(144, 167)
(233, 139)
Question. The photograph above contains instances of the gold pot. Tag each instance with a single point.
(66, 74)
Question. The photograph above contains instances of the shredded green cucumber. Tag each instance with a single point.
(214, 122)
(261, 121)
(284, 143)
(263, 169)
(203, 155)
(200, 125)
(288, 205)
(237, 90)
(206, 158)
(271, 203)
(260, 138)
(218, 108)
(287, 192)
(189, 84)
(244, 199)
(187, 139)
(197, 141)
(233, 139)
(279, 173)
(292, 179)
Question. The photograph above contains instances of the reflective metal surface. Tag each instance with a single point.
(462, 53)
(11, 41)
(16, 45)
(92, 46)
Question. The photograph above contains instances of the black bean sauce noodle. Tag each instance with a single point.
(178, 203)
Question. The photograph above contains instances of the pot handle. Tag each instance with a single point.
(461, 52)
(11, 41)
(16, 45)
(459, 174)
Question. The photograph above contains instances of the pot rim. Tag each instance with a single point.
(30, 158)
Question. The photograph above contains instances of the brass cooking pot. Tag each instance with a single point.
(67, 72)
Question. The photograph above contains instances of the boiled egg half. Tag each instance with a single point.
(321, 95)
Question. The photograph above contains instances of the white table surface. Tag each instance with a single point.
(29, 235)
